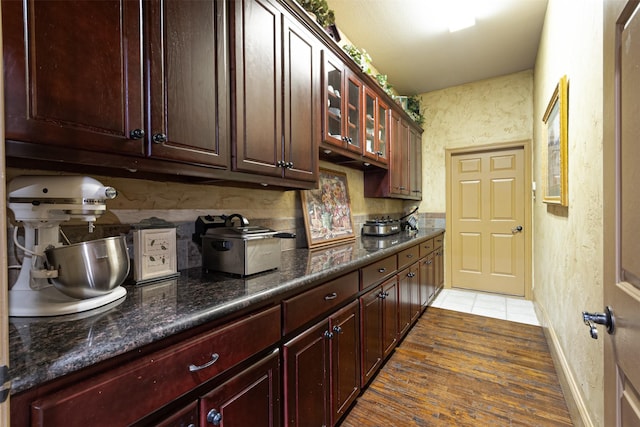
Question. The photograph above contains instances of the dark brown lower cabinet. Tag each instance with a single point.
(409, 307)
(345, 360)
(379, 311)
(251, 398)
(322, 370)
(427, 281)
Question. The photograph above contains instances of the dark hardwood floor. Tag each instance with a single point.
(458, 369)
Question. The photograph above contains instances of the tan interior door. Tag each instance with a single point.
(621, 212)
(487, 215)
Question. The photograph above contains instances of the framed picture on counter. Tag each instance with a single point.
(327, 211)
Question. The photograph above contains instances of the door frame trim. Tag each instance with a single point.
(525, 145)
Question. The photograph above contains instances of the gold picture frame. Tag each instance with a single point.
(327, 210)
(556, 118)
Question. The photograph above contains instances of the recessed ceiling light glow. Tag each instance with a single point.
(458, 23)
(461, 14)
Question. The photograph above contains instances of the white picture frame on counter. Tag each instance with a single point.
(154, 254)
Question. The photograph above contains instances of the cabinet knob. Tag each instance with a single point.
(159, 138)
(337, 329)
(214, 417)
(136, 134)
(328, 335)
(289, 165)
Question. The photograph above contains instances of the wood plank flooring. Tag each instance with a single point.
(458, 369)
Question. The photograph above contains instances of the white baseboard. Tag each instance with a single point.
(575, 402)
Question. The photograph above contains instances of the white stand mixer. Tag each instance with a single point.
(41, 203)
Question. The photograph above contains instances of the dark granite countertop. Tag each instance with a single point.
(42, 349)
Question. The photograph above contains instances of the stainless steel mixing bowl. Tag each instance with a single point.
(90, 269)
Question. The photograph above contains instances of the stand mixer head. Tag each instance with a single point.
(41, 204)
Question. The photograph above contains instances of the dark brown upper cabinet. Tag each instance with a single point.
(376, 126)
(188, 81)
(343, 92)
(58, 90)
(110, 77)
(276, 87)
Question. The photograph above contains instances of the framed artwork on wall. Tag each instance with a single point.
(556, 118)
(327, 211)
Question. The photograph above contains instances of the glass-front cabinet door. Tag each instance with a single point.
(333, 78)
(376, 127)
(354, 112)
(342, 105)
(370, 112)
(382, 135)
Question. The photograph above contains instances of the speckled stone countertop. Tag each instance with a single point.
(42, 349)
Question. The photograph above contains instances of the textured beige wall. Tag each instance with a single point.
(568, 242)
(479, 113)
(139, 199)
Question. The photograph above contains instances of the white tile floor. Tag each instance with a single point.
(489, 305)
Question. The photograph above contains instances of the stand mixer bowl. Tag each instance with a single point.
(90, 269)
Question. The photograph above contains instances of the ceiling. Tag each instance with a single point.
(409, 40)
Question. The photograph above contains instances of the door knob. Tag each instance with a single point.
(606, 319)
(516, 229)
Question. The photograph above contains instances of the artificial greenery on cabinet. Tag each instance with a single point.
(320, 9)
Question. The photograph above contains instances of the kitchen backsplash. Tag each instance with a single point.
(189, 253)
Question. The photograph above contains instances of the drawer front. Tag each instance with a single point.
(374, 273)
(142, 386)
(408, 256)
(426, 248)
(312, 303)
(437, 241)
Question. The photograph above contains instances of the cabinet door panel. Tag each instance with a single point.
(390, 316)
(353, 110)
(251, 398)
(399, 156)
(306, 383)
(257, 83)
(61, 93)
(415, 164)
(301, 102)
(427, 286)
(371, 320)
(345, 359)
(333, 75)
(404, 302)
(188, 81)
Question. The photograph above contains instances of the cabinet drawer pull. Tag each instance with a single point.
(331, 296)
(214, 359)
(382, 270)
(409, 255)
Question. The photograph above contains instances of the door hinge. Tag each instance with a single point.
(5, 382)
